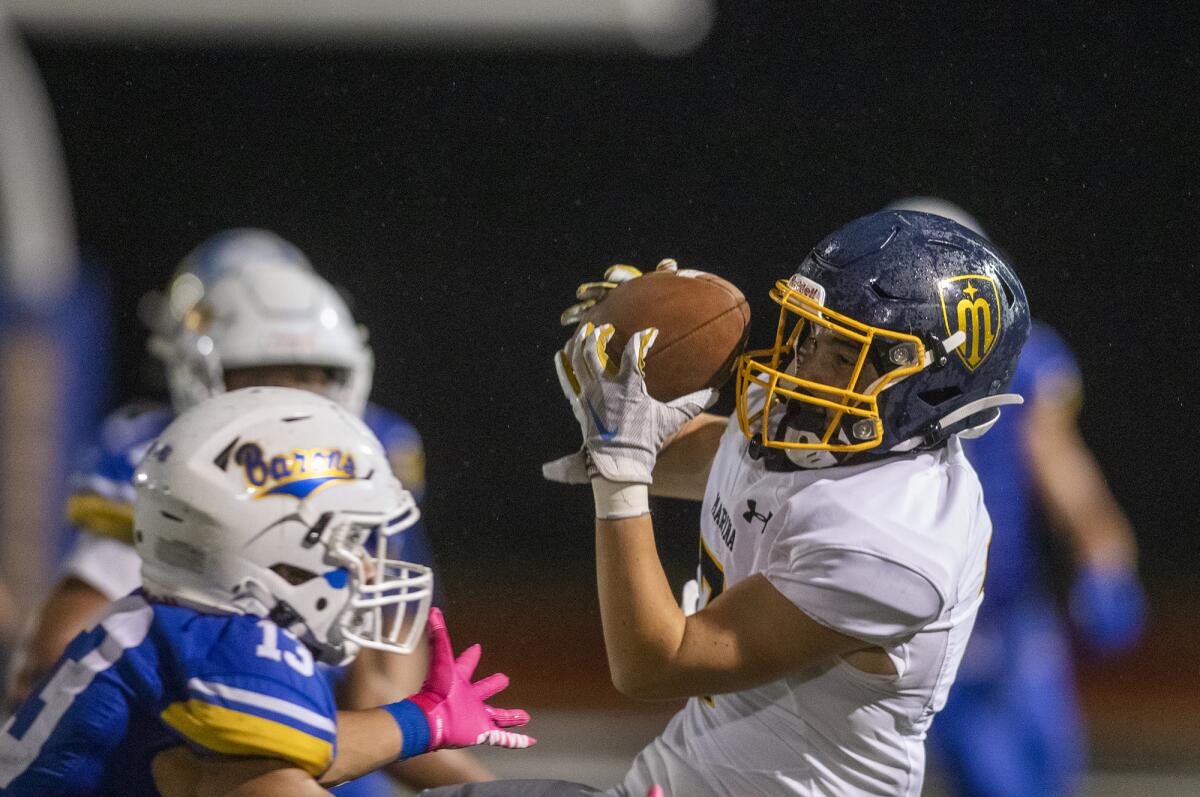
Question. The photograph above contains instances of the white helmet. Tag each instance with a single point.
(248, 298)
(261, 501)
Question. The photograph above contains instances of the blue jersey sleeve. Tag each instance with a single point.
(77, 732)
(1047, 369)
(255, 692)
(101, 490)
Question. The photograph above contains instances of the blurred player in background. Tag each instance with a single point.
(245, 308)
(8, 625)
(263, 519)
(1013, 725)
(843, 532)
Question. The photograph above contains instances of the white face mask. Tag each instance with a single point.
(390, 598)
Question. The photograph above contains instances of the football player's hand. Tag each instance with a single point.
(587, 294)
(1108, 608)
(455, 709)
(623, 427)
(573, 469)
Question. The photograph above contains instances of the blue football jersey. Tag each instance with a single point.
(151, 676)
(101, 489)
(999, 458)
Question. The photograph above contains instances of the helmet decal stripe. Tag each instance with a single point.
(303, 488)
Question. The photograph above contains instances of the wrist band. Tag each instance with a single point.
(414, 727)
(617, 500)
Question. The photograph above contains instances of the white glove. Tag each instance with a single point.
(572, 469)
(623, 427)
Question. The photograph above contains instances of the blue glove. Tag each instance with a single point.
(1108, 608)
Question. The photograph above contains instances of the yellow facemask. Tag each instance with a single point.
(779, 373)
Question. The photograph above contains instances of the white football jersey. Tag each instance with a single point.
(892, 552)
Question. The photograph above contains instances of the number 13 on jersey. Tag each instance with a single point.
(299, 658)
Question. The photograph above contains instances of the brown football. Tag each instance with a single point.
(702, 325)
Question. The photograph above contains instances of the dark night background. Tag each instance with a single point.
(460, 196)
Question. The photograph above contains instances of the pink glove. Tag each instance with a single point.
(450, 711)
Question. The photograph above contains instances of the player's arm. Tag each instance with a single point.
(8, 615)
(749, 635)
(99, 570)
(687, 456)
(101, 567)
(449, 712)
(683, 465)
(1070, 483)
(291, 719)
(181, 772)
(367, 740)
(1107, 603)
(376, 678)
(70, 607)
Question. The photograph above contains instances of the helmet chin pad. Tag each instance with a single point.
(804, 423)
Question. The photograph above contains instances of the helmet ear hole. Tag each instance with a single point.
(1009, 295)
(939, 396)
(292, 574)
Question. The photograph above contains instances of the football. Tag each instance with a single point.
(702, 323)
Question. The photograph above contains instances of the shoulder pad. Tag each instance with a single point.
(252, 689)
(101, 499)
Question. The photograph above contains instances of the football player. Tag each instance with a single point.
(263, 519)
(843, 532)
(244, 308)
(1013, 725)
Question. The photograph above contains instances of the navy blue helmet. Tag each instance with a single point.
(897, 331)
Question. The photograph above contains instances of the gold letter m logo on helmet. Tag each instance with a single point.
(970, 303)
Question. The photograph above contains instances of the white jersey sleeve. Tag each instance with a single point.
(107, 565)
(859, 593)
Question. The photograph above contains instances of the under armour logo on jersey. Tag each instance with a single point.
(751, 513)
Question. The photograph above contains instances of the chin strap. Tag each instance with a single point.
(939, 355)
(940, 428)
